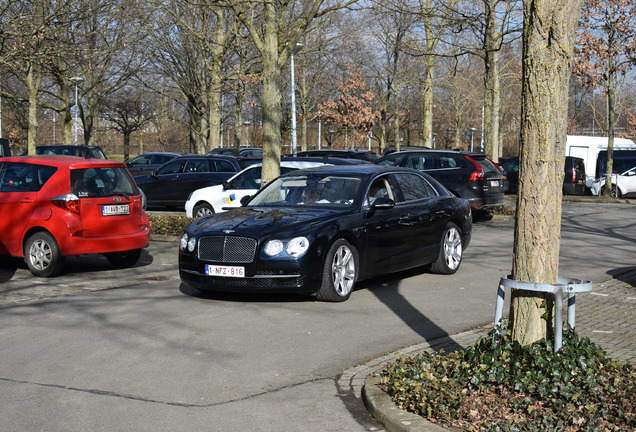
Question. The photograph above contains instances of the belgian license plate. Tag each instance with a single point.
(115, 209)
(224, 271)
(494, 183)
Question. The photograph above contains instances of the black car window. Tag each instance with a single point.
(223, 166)
(172, 167)
(96, 154)
(511, 165)
(414, 187)
(488, 166)
(197, 165)
(447, 161)
(379, 188)
(160, 159)
(139, 160)
(22, 177)
(249, 179)
(393, 159)
(101, 182)
(16, 177)
(309, 190)
(43, 174)
(421, 161)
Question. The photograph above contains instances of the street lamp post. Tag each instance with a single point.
(472, 136)
(76, 80)
(296, 49)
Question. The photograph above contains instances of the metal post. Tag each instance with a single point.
(76, 80)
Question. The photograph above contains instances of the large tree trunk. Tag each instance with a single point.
(33, 87)
(492, 106)
(272, 97)
(427, 129)
(609, 94)
(214, 120)
(549, 33)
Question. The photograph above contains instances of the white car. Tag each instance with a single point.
(622, 184)
(216, 199)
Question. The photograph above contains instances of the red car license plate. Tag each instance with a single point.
(115, 209)
(224, 271)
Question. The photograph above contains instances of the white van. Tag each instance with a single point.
(587, 148)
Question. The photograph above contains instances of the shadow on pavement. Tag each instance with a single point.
(247, 297)
(624, 274)
(9, 266)
(388, 293)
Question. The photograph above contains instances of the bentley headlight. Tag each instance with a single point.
(297, 246)
(192, 242)
(273, 247)
(184, 242)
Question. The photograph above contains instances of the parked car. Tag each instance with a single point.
(172, 183)
(218, 198)
(251, 152)
(55, 206)
(622, 160)
(573, 180)
(227, 151)
(364, 155)
(467, 175)
(392, 149)
(5, 150)
(623, 185)
(84, 151)
(148, 162)
(320, 230)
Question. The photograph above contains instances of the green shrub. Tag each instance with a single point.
(498, 385)
(169, 224)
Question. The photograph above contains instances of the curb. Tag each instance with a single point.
(383, 409)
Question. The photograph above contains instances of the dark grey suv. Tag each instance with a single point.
(468, 175)
(172, 183)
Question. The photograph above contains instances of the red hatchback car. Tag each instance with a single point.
(56, 206)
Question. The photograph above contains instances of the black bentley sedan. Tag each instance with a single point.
(320, 230)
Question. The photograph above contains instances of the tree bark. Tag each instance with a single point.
(33, 87)
(272, 97)
(548, 36)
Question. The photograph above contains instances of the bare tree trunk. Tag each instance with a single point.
(492, 105)
(214, 120)
(272, 97)
(428, 101)
(238, 121)
(549, 33)
(607, 191)
(33, 87)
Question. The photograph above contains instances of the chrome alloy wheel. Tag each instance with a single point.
(40, 254)
(343, 270)
(452, 244)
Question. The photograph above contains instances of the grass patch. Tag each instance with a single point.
(498, 385)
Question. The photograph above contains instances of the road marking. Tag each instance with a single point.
(602, 331)
(599, 294)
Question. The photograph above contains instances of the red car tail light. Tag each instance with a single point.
(68, 202)
(573, 174)
(479, 173)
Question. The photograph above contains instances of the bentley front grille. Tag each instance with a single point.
(227, 249)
